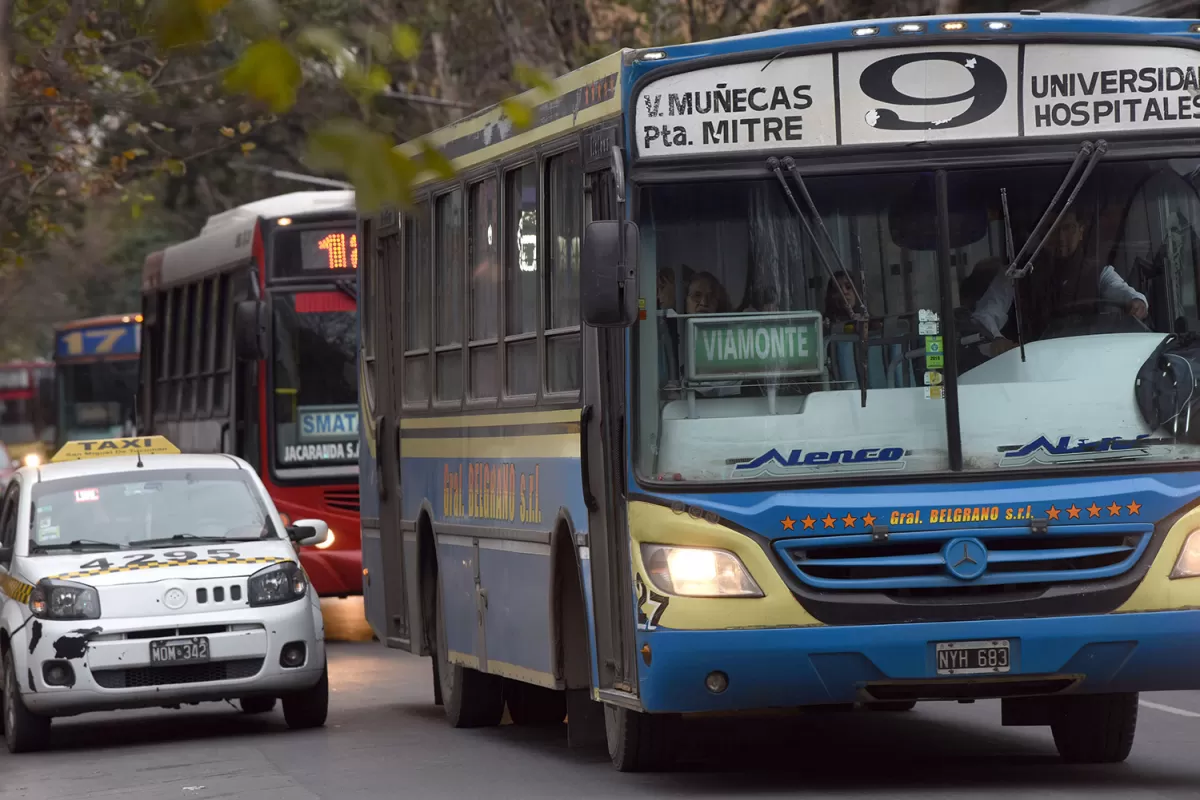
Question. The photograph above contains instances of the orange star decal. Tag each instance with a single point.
(1052, 512)
(829, 520)
(868, 520)
(789, 524)
(1073, 511)
(1115, 509)
(1134, 507)
(809, 522)
(849, 520)
(1093, 510)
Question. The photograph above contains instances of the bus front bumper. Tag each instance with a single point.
(790, 667)
(333, 573)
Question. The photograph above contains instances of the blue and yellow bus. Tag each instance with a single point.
(851, 364)
(96, 375)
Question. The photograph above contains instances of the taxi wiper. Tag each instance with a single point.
(77, 544)
(857, 308)
(179, 537)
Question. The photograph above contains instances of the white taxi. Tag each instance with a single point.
(133, 576)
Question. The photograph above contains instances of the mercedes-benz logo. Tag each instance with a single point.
(966, 559)
(175, 599)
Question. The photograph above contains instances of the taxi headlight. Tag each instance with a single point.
(278, 583)
(54, 599)
(1188, 563)
(697, 572)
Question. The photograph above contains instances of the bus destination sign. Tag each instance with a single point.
(735, 346)
(919, 94)
(326, 250)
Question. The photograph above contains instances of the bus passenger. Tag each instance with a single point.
(1071, 276)
(706, 295)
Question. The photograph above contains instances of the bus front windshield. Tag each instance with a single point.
(96, 399)
(754, 363)
(315, 386)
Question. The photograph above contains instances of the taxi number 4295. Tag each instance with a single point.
(161, 559)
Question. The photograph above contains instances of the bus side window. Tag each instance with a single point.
(564, 233)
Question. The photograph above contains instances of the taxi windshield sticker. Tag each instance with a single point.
(49, 533)
(87, 495)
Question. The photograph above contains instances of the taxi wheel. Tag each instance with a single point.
(532, 706)
(257, 705)
(1095, 728)
(470, 698)
(309, 708)
(24, 731)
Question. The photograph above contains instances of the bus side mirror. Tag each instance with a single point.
(609, 281)
(250, 329)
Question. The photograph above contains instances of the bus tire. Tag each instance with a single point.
(638, 742)
(470, 698)
(892, 705)
(534, 706)
(437, 681)
(24, 731)
(1095, 728)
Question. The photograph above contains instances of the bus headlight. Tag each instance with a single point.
(697, 572)
(33, 460)
(1188, 563)
(328, 543)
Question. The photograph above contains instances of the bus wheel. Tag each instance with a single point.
(471, 699)
(891, 705)
(1095, 728)
(534, 705)
(638, 742)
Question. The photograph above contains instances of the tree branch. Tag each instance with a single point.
(66, 30)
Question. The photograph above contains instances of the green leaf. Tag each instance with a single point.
(325, 41)
(177, 23)
(435, 161)
(406, 41)
(379, 43)
(267, 71)
(135, 210)
(533, 78)
(175, 167)
(367, 158)
(520, 113)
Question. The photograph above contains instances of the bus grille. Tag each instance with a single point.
(342, 499)
(924, 564)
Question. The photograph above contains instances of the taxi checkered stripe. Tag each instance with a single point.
(17, 590)
(161, 564)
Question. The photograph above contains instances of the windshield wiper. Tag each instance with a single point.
(347, 287)
(857, 308)
(182, 537)
(77, 544)
(1092, 153)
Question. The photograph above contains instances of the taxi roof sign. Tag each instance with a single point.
(100, 448)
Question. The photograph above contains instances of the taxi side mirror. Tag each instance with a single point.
(308, 532)
(250, 330)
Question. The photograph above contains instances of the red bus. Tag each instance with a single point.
(248, 347)
(27, 410)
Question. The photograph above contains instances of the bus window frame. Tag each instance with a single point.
(976, 155)
(496, 341)
(312, 474)
(436, 350)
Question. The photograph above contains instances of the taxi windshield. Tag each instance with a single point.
(116, 510)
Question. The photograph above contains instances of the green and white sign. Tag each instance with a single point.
(732, 346)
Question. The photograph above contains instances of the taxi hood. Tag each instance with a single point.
(151, 564)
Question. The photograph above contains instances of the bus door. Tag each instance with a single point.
(604, 432)
(398, 546)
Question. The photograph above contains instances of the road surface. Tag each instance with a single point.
(385, 739)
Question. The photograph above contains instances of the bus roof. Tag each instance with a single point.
(107, 319)
(580, 98)
(220, 242)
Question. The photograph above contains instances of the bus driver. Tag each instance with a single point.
(1071, 277)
